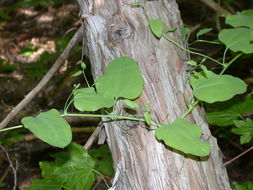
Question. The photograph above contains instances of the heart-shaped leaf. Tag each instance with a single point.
(244, 18)
(50, 127)
(86, 99)
(156, 26)
(215, 88)
(122, 79)
(183, 136)
(237, 39)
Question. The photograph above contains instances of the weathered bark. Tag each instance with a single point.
(113, 28)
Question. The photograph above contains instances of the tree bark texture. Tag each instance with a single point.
(114, 28)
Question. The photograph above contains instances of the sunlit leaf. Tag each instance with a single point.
(237, 39)
(77, 73)
(131, 104)
(203, 31)
(215, 88)
(244, 18)
(122, 79)
(50, 127)
(86, 99)
(183, 136)
(147, 117)
(156, 26)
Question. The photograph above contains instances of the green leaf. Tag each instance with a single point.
(131, 104)
(248, 185)
(122, 79)
(226, 112)
(244, 18)
(237, 39)
(147, 117)
(86, 99)
(156, 26)
(245, 129)
(214, 88)
(183, 136)
(191, 62)
(103, 159)
(71, 170)
(203, 31)
(167, 30)
(137, 4)
(50, 127)
(77, 73)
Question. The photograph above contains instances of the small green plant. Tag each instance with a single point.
(248, 185)
(75, 169)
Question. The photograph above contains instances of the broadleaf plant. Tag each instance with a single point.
(50, 127)
(183, 136)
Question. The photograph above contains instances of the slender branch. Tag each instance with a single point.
(14, 170)
(213, 5)
(61, 59)
(191, 52)
(238, 156)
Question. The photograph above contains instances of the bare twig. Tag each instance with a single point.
(61, 59)
(14, 169)
(93, 137)
(213, 5)
(238, 156)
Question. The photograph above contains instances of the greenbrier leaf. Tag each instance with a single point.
(156, 26)
(191, 62)
(244, 18)
(137, 4)
(226, 112)
(245, 129)
(86, 99)
(122, 79)
(215, 88)
(237, 39)
(77, 73)
(203, 31)
(130, 103)
(71, 170)
(50, 127)
(183, 136)
(103, 159)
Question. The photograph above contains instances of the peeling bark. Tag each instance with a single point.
(113, 28)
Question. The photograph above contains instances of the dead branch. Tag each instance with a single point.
(216, 7)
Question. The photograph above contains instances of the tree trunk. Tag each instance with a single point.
(114, 28)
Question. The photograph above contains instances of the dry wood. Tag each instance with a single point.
(61, 59)
(114, 28)
(216, 7)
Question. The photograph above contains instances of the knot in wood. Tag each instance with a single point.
(119, 32)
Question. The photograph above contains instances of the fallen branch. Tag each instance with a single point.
(61, 59)
(216, 7)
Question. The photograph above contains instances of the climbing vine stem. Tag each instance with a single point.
(189, 51)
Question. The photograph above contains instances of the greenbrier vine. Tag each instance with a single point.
(122, 80)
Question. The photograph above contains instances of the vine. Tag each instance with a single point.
(122, 80)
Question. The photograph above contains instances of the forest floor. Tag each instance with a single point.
(30, 41)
